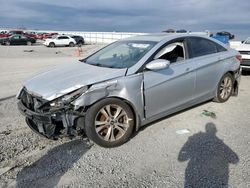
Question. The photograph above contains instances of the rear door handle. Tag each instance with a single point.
(187, 69)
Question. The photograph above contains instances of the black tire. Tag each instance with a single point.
(218, 95)
(52, 44)
(92, 115)
(80, 43)
(71, 44)
(29, 43)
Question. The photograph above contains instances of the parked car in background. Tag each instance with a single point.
(39, 36)
(128, 84)
(244, 50)
(3, 32)
(17, 40)
(181, 31)
(4, 35)
(30, 35)
(79, 40)
(48, 35)
(225, 33)
(60, 40)
(169, 31)
(14, 32)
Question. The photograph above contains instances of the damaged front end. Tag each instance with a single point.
(52, 119)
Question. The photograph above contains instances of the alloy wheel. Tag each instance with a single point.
(226, 88)
(111, 122)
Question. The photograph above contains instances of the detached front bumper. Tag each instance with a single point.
(37, 117)
(54, 124)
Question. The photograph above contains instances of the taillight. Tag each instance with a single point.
(239, 57)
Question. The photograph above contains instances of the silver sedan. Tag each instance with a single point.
(128, 84)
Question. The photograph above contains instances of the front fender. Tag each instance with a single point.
(128, 88)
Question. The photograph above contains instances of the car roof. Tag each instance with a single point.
(157, 37)
(63, 35)
(164, 37)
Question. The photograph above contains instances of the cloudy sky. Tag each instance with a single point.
(128, 16)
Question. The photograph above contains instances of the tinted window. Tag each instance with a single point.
(63, 37)
(220, 48)
(15, 37)
(199, 47)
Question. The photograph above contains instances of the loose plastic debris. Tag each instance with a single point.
(28, 50)
(209, 114)
(183, 131)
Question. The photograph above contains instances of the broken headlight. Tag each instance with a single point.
(68, 98)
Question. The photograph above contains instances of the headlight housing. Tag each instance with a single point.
(68, 98)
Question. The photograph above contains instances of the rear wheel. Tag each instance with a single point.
(80, 43)
(7, 43)
(225, 88)
(52, 44)
(109, 123)
(29, 43)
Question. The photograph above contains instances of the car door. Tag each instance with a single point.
(59, 41)
(23, 40)
(209, 65)
(15, 40)
(170, 88)
(65, 40)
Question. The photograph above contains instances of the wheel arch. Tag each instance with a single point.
(235, 85)
(129, 103)
(51, 42)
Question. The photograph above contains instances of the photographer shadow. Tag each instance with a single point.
(48, 170)
(209, 158)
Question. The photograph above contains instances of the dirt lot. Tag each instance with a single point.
(215, 145)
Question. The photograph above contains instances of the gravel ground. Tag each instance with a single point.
(214, 152)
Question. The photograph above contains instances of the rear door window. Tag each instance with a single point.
(63, 37)
(200, 47)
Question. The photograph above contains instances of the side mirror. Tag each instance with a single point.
(158, 64)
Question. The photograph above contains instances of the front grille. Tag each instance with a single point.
(31, 102)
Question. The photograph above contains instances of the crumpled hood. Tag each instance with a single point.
(64, 79)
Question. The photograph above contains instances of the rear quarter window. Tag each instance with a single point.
(200, 47)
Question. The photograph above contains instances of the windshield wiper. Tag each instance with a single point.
(101, 65)
(83, 60)
(95, 64)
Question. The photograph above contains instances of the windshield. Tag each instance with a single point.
(122, 54)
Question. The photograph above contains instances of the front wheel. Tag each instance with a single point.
(109, 123)
(29, 43)
(224, 88)
(71, 44)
